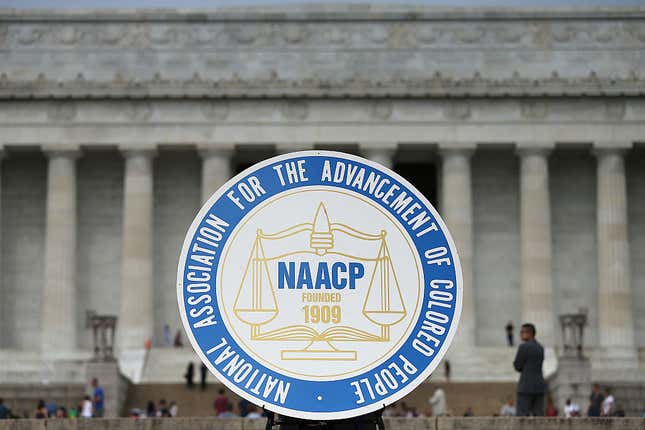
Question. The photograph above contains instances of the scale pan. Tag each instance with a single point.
(256, 316)
(385, 317)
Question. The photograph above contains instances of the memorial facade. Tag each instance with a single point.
(525, 128)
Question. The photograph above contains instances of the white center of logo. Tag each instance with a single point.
(326, 279)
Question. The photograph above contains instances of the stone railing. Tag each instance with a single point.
(443, 423)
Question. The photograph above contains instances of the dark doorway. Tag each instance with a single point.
(247, 155)
(421, 175)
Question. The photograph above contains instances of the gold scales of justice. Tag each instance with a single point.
(256, 305)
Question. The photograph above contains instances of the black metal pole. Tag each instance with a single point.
(371, 421)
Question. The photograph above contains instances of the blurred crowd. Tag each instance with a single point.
(602, 403)
(224, 408)
(92, 406)
(163, 409)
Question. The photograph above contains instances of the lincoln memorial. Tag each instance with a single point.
(525, 128)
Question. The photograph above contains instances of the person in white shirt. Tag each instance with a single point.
(253, 413)
(571, 409)
(608, 404)
(86, 409)
(438, 402)
(173, 409)
(508, 409)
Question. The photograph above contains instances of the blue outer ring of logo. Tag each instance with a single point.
(310, 399)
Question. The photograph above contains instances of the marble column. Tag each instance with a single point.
(216, 168)
(136, 319)
(615, 320)
(4, 311)
(382, 153)
(59, 290)
(535, 241)
(457, 211)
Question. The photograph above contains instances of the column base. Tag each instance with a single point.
(486, 364)
(114, 385)
(132, 361)
(571, 381)
(618, 364)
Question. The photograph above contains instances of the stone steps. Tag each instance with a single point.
(482, 379)
(191, 402)
(168, 365)
(31, 367)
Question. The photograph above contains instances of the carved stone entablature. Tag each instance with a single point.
(629, 112)
(534, 109)
(434, 87)
(61, 111)
(456, 109)
(381, 109)
(295, 109)
(139, 110)
(215, 109)
(263, 29)
(320, 35)
(615, 110)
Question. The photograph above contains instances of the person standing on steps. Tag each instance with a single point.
(5, 413)
(203, 372)
(595, 401)
(189, 375)
(528, 361)
(98, 399)
(221, 403)
(438, 403)
(510, 328)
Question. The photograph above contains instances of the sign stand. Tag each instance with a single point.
(372, 421)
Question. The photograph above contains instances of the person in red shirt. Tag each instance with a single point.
(551, 410)
(221, 403)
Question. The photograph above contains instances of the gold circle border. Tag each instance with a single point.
(273, 200)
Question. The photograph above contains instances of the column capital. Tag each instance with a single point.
(216, 150)
(134, 150)
(285, 148)
(379, 152)
(385, 149)
(457, 148)
(66, 151)
(611, 147)
(525, 149)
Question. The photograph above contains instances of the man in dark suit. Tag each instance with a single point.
(528, 361)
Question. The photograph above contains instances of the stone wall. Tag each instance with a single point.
(100, 208)
(496, 229)
(177, 193)
(23, 235)
(573, 217)
(443, 423)
(636, 207)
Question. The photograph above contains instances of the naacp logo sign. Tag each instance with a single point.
(319, 285)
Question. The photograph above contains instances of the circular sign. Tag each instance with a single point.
(319, 285)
